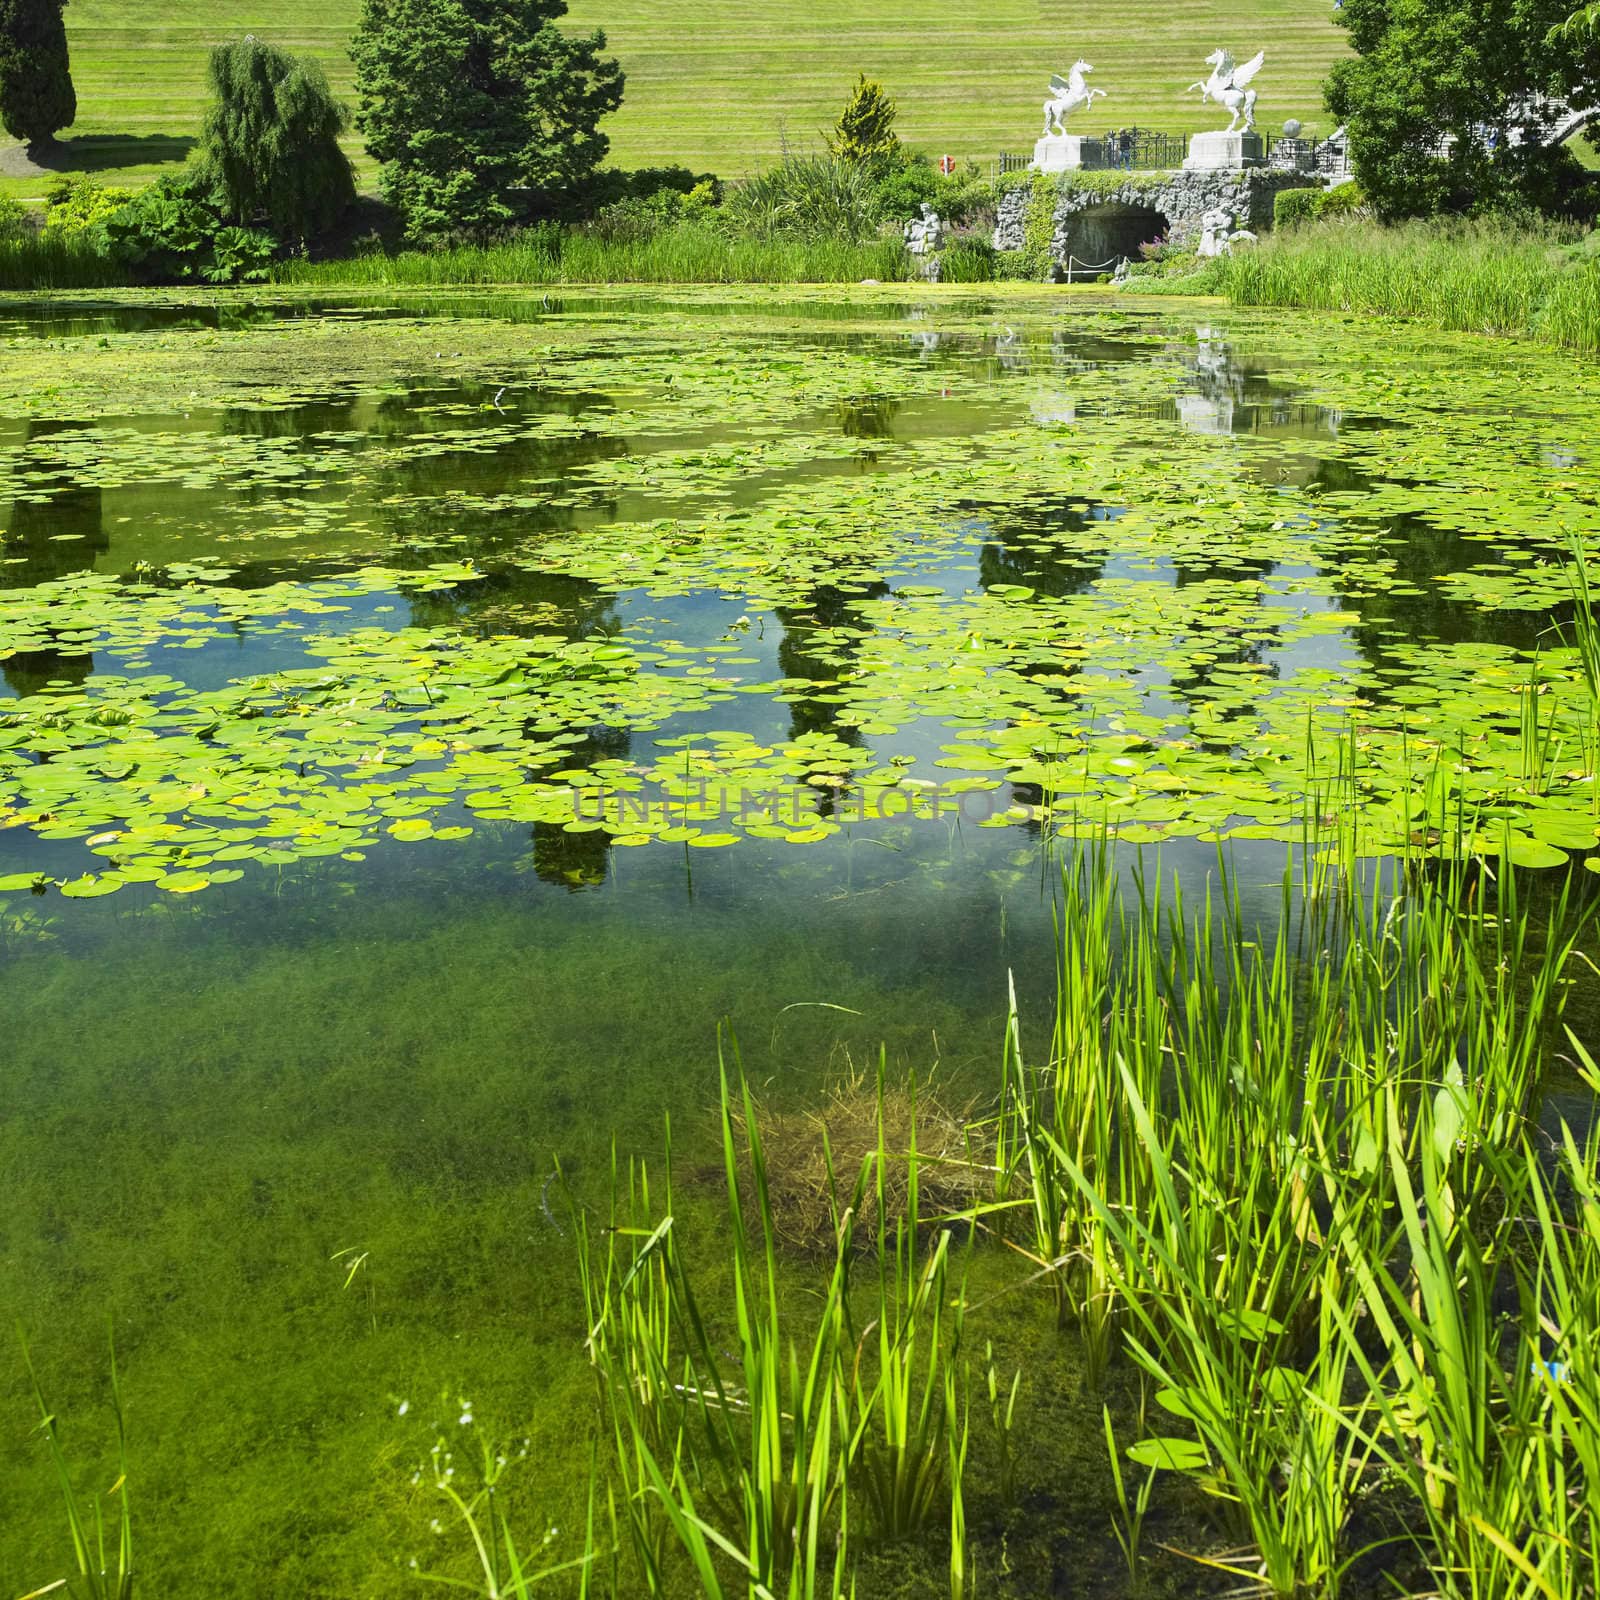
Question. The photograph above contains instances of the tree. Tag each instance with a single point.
(865, 129)
(1445, 101)
(37, 99)
(269, 146)
(483, 113)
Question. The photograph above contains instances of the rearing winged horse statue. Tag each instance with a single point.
(1227, 85)
(1070, 93)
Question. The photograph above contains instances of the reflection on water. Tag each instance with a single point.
(385, 1048)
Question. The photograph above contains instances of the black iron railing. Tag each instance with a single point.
(1145, 150)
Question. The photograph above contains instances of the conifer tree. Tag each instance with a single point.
(865, 129)
(37, 99)
(485, 114)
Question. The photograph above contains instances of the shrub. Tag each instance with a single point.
(1290, 207)
(1345, 201)
(79, 205)
(269, 146)
(910, 180)
(642, 216)
(819, 196)
(968, 260)
(14, 223)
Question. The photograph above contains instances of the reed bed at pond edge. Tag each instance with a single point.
(1476, 278)
(1295, 1181)
(43, 261)
(685, 254)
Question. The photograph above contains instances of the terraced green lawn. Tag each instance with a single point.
(723, 84)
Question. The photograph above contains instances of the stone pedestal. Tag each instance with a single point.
(1068, 152)
(1224, 152)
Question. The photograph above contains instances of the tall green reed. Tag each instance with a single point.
(1487, 277)
(103, 1573)
(685, 253)
(52, 261)
(1237, 1147)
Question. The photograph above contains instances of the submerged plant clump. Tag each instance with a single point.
(813, 1154)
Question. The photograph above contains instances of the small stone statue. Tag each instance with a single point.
(1218, 235)
(925, 234)
(1068, 94)
(1228, 86)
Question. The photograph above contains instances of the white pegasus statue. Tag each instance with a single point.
(1070, 93)
(1228, 86)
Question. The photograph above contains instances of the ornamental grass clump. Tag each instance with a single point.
(929, 1151)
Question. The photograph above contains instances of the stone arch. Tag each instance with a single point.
(1107, 232)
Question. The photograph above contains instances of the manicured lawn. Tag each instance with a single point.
(721, 84)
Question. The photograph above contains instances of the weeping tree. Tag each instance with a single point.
(269, 147)
(37, 99)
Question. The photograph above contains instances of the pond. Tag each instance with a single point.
(425, 721)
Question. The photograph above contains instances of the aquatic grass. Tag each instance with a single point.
(1270, 1097)
(1486, 277)
(53, 261)
(749, 1462)
(1064, 1109)
(506, 1571)
(752, 1471)
(1584, 637)
(1128, 1524)
(102, 1574)
(902, 1408)
(1470, 1418)
(1003, 1414)
(689, 253)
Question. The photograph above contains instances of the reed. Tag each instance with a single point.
(903, 1413)
(1485, 277)
(743, 1473)
(1583, 638)
(51, 261)
(1240, 1121)
(687, 253)
(103, 1573)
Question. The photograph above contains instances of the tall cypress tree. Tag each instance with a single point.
(37, 99)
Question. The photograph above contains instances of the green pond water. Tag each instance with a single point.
(423, 721)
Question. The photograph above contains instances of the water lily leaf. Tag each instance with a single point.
(185, 882)
(1169, 1455)
(91, 887)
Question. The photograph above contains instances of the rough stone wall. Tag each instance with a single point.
(1183, 198)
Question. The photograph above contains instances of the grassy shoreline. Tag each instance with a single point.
(1484, 278)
